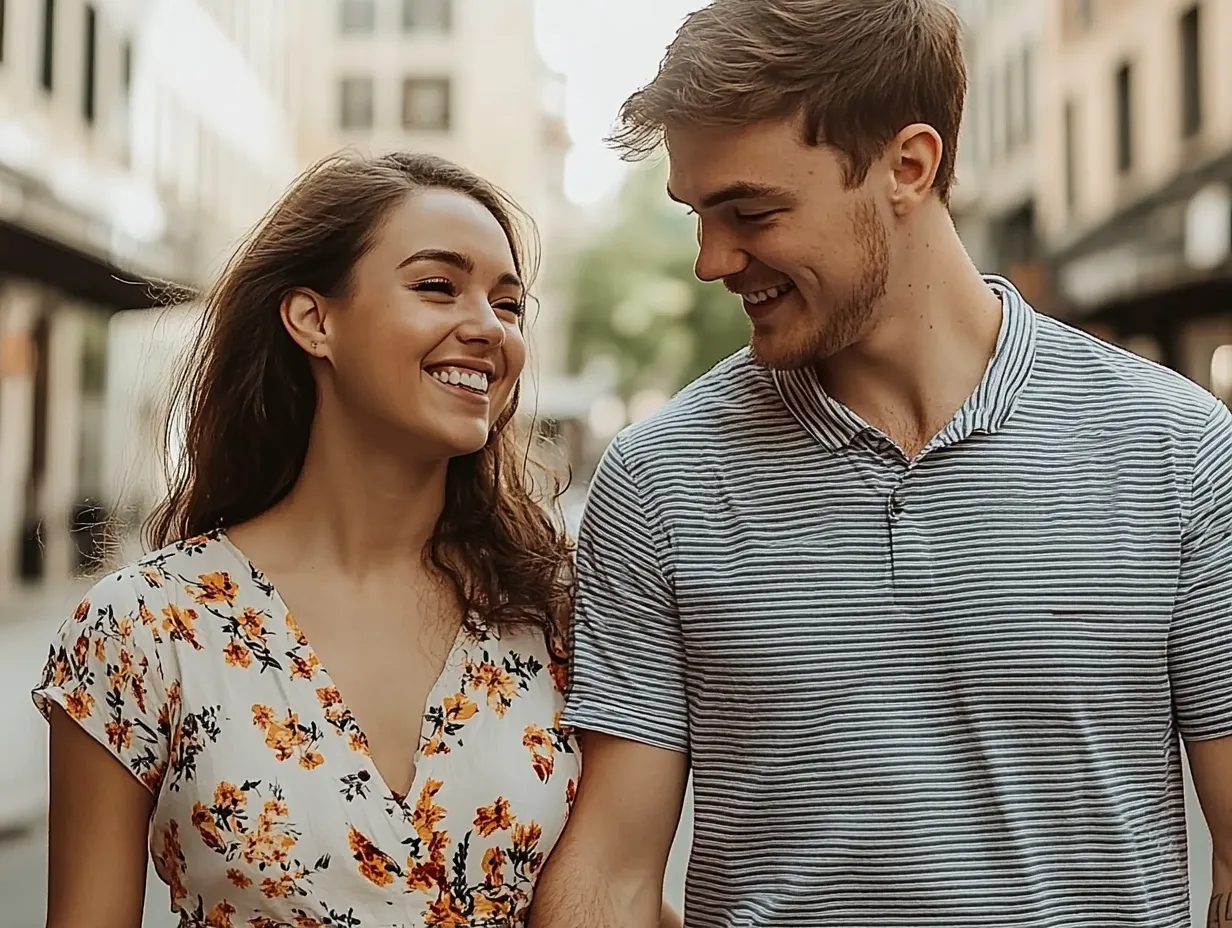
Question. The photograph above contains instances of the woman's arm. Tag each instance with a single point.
(98, 831)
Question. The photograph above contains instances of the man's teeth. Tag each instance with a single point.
(760, 296)
(458, 377)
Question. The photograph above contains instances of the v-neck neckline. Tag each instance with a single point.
(436, 693)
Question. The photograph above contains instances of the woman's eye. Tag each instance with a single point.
(440, 285)
(511, 306)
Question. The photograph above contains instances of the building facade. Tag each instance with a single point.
(994, 202)
(1136, 149)
(136, 138)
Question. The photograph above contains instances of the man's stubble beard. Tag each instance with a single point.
(849, 319)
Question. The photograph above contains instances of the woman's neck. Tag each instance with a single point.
(358, 507)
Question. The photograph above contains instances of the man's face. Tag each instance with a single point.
(776, 223)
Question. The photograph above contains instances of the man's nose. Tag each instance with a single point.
(718, 255)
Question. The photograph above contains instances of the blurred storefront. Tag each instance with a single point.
(129, 156)
(1137, 149)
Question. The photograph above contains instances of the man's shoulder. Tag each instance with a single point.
(711, 410)
(1103, 378)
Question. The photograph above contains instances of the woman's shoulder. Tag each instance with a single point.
(116, 665)
(164, 591)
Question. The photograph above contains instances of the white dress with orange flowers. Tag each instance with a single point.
(269, 811)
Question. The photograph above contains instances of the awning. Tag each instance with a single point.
(1164, 254)
(87, 277)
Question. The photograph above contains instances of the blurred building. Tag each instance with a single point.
(994, 202)
(1135, 191)
(183, 121)
(136, 137)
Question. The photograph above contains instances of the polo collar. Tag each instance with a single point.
(989, 407)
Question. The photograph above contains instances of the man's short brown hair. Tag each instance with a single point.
(856, 72)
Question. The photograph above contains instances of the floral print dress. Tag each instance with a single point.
(269, 811)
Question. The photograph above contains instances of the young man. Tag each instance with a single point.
(927, 590)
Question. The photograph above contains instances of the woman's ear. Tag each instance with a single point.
(303, 315)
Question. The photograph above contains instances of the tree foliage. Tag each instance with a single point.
(635, 302)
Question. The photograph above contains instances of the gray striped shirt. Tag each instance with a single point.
(941, 693)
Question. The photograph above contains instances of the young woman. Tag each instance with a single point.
(332, 696)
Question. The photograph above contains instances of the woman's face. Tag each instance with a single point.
(427, 345)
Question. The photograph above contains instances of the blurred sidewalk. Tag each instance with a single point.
(28, 620)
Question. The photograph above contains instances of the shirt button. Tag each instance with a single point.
(895, 508)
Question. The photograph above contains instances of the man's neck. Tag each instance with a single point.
(927, 350)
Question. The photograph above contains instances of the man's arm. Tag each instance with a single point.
(1200, 648)
(628, 695)
(1210, 762)
(607, 869)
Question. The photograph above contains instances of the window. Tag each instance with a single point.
(356, 103)
(971, 139)
(1028, 94)
(997, 115)
(988, 118)
(1009, 94)
(126, 67)
(1124, 119)
(1191, 75)
(427, 15)
(1069, 128)
(48, 52)
(425, 104)
(88, 91)
(358, 16)
(1084, 13)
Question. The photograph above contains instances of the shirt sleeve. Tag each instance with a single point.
(107, 671)
(1200, 642)
(628, 675)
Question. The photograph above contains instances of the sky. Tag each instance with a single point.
(605, 49)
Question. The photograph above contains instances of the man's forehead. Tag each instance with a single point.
(766, 161)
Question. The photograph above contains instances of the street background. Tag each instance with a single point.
(140, 138)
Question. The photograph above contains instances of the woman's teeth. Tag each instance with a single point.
(459, 377)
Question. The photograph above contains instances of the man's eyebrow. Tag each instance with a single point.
(741, 190)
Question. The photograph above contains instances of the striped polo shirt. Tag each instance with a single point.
(941, 692)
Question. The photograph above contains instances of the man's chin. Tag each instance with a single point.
(782, 354)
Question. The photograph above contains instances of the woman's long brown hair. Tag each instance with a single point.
(245, 400)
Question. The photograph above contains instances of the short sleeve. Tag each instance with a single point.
(628, 673)
(1200, 642)
(106, 671)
